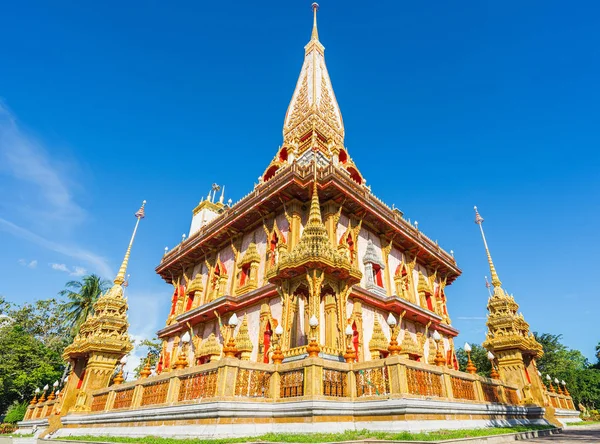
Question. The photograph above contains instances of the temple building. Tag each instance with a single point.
(308, 301)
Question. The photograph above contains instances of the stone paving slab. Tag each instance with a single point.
(572, 435)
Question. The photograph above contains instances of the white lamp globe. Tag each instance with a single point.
(491, 356)
(46, 387)
(539, 373)
(313, 321)
(37, 390)
(391, 320)
(436, 336)
(556, 381)
(124, 360)
(349, 331)
(233, 320)
(186, 337)
(467, 347)
(55, 384)
(563, 382)
(279, 330)
(548, 378)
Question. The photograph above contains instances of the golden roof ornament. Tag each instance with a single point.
(243, 342)
(378, 343)
(314, 249)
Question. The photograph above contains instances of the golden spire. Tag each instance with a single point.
(315, 33)
(121, 274)
(313, 106)
(495, 279)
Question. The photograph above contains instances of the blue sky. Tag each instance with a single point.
(446, 105)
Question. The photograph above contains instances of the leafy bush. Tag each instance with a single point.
(15, 413)
(7, 428)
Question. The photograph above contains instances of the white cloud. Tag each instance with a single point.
(41, 194)
(28, 161)
(30, 264)
(98, 262)
(75, 271)
(78, 271)
(59, 267)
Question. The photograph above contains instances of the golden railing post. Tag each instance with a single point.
(173, 390)
(136, 400)
(275, 384)
(313, 377)
(226, 376)
(478, 389)
(110, 401)
(447, 384)
(397, 375)
(351, 382)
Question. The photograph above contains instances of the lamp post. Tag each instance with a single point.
(52, 395)
(277, 355)
(43, 397)
(230, 349)
(558, 389)
(313, 348)
(119, 378)
(393, 348)
(182, 361)
(350, 354)
(439, 359)
(494, 373)
(36, 393)
(565, 391)
(550, 383)
(470, 366)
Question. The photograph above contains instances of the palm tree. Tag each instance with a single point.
(81, 297)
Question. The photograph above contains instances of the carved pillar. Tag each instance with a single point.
(331, 213)
(386, 248)
(295, 211)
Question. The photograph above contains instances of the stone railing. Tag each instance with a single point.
(309, 378)
(560, 401)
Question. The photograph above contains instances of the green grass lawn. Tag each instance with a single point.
(583, 423)
(320, 437)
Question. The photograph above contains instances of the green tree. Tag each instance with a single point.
(81, 296)
(25, 363)
(598, 355)
(154, 347)
(32, 339)
(558, 360)
(478, 357)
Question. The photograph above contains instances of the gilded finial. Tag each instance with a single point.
(140, 214)
(495, 279)
(315, 33)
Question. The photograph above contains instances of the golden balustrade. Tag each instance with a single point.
(309, 378)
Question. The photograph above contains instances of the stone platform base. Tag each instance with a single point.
(233, 419)
(565, 416)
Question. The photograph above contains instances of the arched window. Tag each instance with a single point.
(355, 175)
(273, 248)
(377, 275)
(350, 243)
(283, 154)
(190, 301)
(244, 274)
(267, 341)
(270, 173)
(343, 157)
(355, 339)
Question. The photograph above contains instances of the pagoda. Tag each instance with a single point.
(308, 305)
